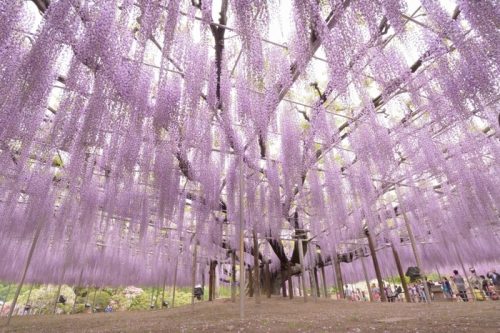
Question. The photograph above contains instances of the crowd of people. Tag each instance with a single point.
(455, 287)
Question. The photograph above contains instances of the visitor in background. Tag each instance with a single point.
(446, 285)
(460, 283)
(495, 279)
(485, 286)
(477, 285)
(421, 292)
(347, 293)
(454, 288)
(376, 292)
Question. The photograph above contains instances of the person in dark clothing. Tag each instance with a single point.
(460, 283)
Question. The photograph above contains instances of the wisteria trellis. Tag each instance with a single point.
(122, 124)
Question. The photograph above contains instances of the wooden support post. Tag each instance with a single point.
(193, 272)
(256, 267)
(25, 270)
(302, 269)
(368, 286)
(413, 243)
(233, 276)
(323, 279)
(268, 279)
(175, 280)
(401, 274)
(373, 253)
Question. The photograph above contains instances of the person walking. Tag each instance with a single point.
(460, 283)
(448, 292)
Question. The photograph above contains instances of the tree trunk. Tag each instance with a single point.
(401, 274)
(371, 245)
(268, 279)
(338, 275)
(290, 283)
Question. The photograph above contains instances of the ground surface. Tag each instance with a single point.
(279, 315)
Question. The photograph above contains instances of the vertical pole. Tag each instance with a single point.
(175, 280)
(370, 294)
(401, 274)
(256, 267)
(373, 253)
(233, 276)
(193, 273)
(242, 244)
(302, 271)
(413, 242)
(26, 266)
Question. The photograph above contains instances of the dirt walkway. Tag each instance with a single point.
(279, 315)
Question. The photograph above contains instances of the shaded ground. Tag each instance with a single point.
(279, 315)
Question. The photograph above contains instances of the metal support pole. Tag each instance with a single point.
(302, 271)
